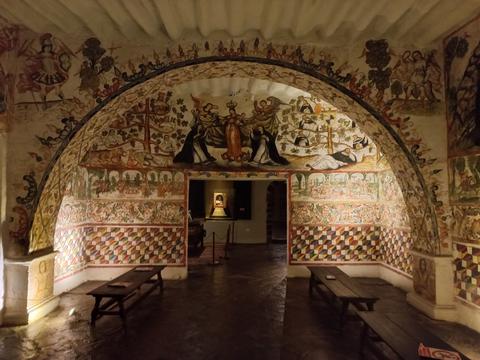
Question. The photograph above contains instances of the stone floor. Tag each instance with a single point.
(245, 309)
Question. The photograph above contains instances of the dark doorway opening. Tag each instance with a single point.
(277, 212)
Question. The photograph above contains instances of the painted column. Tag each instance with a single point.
(433, 286)
(29, 289)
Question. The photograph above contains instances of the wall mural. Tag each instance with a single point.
(461, 50)
(349, 216)
(9, 42)
(90, 136)
(131, 175)
(120, 216)
(392, 83)
(46, 68)
(464, 179)
(223, 133)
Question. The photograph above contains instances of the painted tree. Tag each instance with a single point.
(95, 65)
(145, 118)
(377, 57)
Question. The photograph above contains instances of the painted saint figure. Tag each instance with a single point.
(194, 149)
(47, 69)
(264, 149)
(342, 158)
(233, 135)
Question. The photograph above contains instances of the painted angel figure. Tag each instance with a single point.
(45, 70)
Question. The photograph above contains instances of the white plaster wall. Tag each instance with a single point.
(468, 314)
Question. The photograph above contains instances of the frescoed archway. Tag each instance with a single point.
(375, 123)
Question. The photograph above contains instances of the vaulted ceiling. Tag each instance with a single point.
(330, 22)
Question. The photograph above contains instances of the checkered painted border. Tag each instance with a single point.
(110, 245)
(71, 250)
(120, 245)
(395, 247)
(335, 243)
(467, 272)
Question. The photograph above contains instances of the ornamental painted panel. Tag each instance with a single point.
(464, 175)
(462, 59)
(334, 243)
(424, 277)
(467, 273)
(395, 245)
(107, 245)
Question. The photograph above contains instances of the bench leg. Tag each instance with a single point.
(311, 284)
(363, 340)
(160, 283)
(94, 314)
(370, 306)
(343, 312)
(123, 315)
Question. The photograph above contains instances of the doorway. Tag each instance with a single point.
(277, 212)
(233, 214)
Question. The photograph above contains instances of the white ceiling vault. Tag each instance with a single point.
(330, 22)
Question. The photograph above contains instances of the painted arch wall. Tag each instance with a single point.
(49, 129)
(126, 203)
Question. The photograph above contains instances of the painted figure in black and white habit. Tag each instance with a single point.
(264, 149)
(342, 158)
(194, 149)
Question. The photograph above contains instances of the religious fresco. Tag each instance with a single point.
(356, 186)
(464, 175)
(9, 42)
(103, 207)
(93, 130)
(233, 133)
(424, 277)
(466, 224)
(98, 66)
(47, 62)
(461, 62)
(461, 51)
(349, 216)
(410, 80)
(108, 71)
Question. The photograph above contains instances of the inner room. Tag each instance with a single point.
(226, 213)
(239, 179)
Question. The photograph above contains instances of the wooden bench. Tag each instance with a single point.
(132, 292)
(343, 288)
(400, 332)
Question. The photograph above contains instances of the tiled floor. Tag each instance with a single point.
(245, 309)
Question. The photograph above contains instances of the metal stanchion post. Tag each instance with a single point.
(227, 244)
(214, 262)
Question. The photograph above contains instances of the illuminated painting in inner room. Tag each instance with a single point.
(226, 132)
(219, 205)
